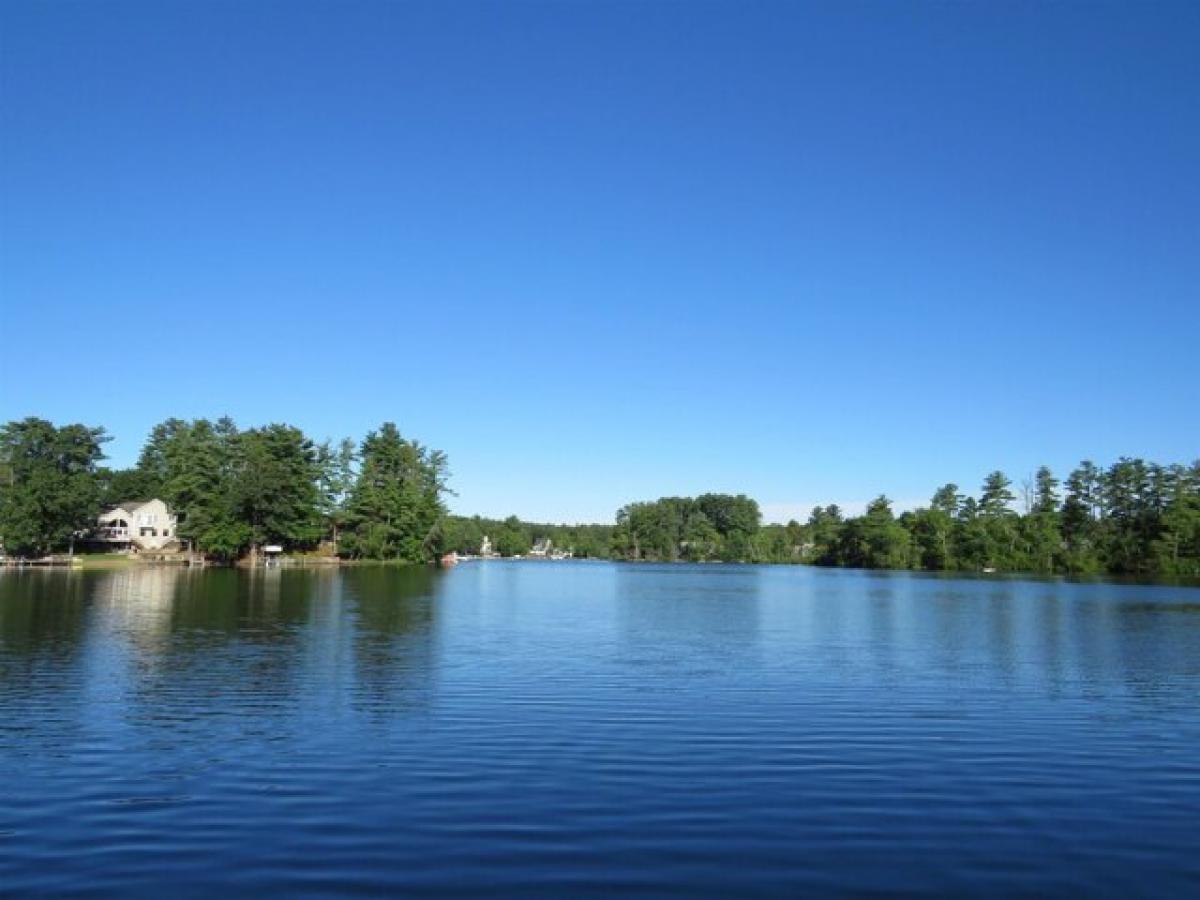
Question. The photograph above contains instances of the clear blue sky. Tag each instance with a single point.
(603, 252)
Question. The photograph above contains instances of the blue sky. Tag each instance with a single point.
(611, 251)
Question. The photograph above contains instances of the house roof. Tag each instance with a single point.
(130, 506)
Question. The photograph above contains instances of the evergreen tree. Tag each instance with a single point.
(1132, 515)
(1041, 530)
(336, 481)
(396, 504)
(1080, 526)
(1046, 496)
(947, 499)
(275, 486)
(999, 522)
(1176, 550)
(200, 461)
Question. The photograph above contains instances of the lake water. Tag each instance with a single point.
(566, 729)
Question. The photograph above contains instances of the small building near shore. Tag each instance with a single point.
(136, 524)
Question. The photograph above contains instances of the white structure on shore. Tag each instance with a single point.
(140, 524)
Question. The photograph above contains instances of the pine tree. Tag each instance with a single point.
(396, 503)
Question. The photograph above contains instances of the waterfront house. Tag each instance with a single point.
(136, 524)
(541, 547)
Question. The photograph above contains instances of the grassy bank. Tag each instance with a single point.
(103, 560)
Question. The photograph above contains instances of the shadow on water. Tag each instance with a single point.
(41, 613)
(394, 650)
(168, 644)
(43, 679)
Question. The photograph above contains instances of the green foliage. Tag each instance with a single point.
(275, 486)
(512, 538)
(336, 466)
(235, 491)
(777, 543)
(197, 465)
(122, 485)
(395, 508)
(1176, 548)
(49, 484)
(824, 527)
(875, 540)
(932, 531)
(708, 527)
(1135, 517)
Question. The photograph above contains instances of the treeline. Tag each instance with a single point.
(1133, 518)
(236, 490)
(708, 527)
(513, 537)
(233, 490)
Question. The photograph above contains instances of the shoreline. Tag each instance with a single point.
(118, 563)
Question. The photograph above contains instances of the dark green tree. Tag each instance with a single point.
(49, 490)
(200, 462)
(824, 527)
(123, 485)
(336, 465)
(1080, 520)
(275, 486)
(1041, 530)
(932, 537)
(396, 504)
(999, 523)
(875, 540)
(1176, 550)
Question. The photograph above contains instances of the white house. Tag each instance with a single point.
(144, 524)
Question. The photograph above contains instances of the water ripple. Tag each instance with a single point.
(594, 730)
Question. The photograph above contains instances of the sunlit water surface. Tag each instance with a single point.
(564, 729)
